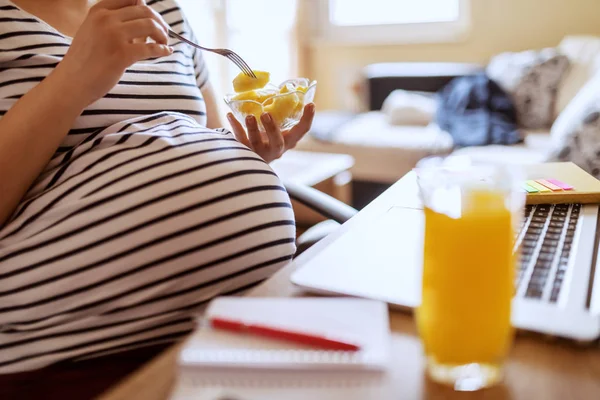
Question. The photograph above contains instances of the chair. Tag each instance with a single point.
(329, 207)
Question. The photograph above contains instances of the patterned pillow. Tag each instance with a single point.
(582, 145)
(532, 79)
(536, 93)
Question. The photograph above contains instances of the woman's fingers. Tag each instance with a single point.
(254, 135)
(115, 4)
(143, 28)
(238, 130)
(294, 135)
(276, 143)
(141, 12)
(144, 51)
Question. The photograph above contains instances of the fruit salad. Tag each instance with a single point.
(255, 96)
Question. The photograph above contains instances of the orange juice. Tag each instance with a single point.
(468, 282)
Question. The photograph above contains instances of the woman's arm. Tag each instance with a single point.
(270, 144)
(34, 127)
(31, 131)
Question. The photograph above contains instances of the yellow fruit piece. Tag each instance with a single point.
(244, 83)
(286, 89)
(249, 95)
(299, 104)
(287, 103)
(271, 110)
(254, 95)
(250, 108)
(299, 107)
(264, 96)
(282, 107)
(269, 101)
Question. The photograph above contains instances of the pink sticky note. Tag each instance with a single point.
(549, 185)
(560, 184)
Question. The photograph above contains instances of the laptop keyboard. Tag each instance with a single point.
(546, 237)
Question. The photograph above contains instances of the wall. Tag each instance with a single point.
(497, 26)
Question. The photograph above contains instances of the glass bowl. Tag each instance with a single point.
(285, 108)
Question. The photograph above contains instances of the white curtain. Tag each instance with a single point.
(262, 32)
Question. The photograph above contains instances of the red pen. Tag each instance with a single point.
(284, 335)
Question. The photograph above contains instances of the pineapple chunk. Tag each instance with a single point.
(282, 107)
(286, 89)
(298, 109)
(255, 95)
(244, 83)
(264, 95)
(250, 108)
(248, 95)
(269, 101)
(300, 103)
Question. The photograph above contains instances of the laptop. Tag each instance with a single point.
(558, 279)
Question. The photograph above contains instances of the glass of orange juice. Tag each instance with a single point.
(471, 216)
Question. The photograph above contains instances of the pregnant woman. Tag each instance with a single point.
(123, 208)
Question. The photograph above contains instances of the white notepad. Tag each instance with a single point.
(213, 360)
(364, 322)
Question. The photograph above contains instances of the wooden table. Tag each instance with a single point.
(538, 367)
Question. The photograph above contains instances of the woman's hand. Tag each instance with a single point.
(111, 39)
(273, 142)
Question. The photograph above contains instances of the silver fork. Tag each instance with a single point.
(237, 60)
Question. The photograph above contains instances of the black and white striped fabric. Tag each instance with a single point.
(142, 215)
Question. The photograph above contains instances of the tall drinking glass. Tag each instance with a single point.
(471, 216)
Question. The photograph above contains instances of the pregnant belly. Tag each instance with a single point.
(169, 174)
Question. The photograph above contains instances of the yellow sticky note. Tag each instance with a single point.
(541, 188)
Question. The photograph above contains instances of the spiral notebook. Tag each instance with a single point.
(214, 361)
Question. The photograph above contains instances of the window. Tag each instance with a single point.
(386, 12)
(260, 31)
(392, 21)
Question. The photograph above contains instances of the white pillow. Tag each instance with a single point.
(584, 54)
(586, 100)
(402, 107)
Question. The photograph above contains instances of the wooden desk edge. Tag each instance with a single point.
(135, 386)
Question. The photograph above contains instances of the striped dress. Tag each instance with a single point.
(142, 215)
